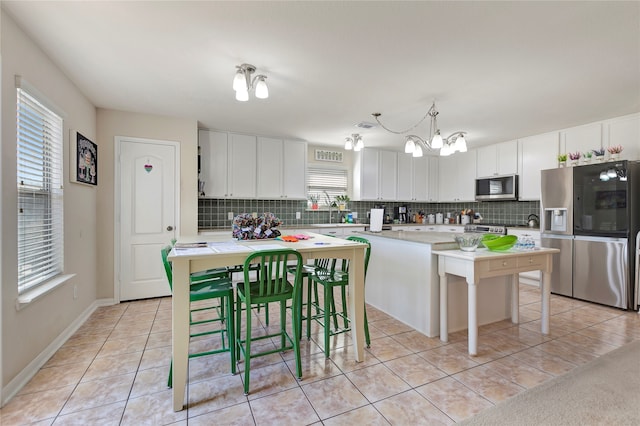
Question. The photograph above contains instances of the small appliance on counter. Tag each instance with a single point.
(400, 214)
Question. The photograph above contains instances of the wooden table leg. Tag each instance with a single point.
(515, 298)
(444, 326)
(545, 291)
(180, 331)
(473, 317)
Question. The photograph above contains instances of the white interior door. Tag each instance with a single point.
(149, 179)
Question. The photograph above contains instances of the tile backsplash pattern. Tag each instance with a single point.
(213, 212)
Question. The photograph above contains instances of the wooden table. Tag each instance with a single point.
(223, 252)
(482, 263)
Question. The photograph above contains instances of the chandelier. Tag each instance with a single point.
(354, 142)
(415, 145)
(243, 83)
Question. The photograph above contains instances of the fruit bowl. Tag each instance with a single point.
(468, 242)
(502, 243)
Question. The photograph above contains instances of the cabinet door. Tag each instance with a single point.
(369, 174)
(448, 179)
(295, 170)
(269, 168)
(625, 131)
(486, 160)
(581, 138)
(242, 166)
(466, 175)
(388, 175)
(539, 152)
(434, 164)
(420, 178)
(213, 166)
(507, 158)
(405, 177)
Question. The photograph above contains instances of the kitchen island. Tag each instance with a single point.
(403, 281)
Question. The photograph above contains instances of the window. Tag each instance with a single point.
(326, 183)
(40, 201)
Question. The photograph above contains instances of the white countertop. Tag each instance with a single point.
(438, 240)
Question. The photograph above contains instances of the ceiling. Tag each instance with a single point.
(498, 70)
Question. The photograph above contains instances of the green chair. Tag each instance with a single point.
(217, 287)
(330, 278)
(271, 285)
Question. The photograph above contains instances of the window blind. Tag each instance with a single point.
(40, 194)
(326, 182)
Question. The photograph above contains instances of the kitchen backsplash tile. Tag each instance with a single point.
(213, 212)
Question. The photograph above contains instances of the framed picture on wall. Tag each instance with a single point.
(84, 160)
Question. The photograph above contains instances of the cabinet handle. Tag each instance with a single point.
(504, 263)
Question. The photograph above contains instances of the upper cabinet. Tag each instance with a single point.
(538, 152)
(624, 131)
(581, 139)
(245, 166)
(242, 166)
(281, 171)
(417, 178)
(375, 175)
(213, 150)
(497, 159)
(457, 177)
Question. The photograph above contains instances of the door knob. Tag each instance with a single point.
(169, 228)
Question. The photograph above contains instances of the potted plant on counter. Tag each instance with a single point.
(341, 202)
(313, 198)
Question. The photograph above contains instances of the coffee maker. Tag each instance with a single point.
(400, 213)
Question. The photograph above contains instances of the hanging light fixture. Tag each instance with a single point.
(414, 144)
(354, 142)
(243, 83)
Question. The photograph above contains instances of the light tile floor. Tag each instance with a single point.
(114, 371)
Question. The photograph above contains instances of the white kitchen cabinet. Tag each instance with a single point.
(456, 179)
(405, 177)
(433, 179)
(213, 150)
(581, 138)
(498, 159)
(413, 178)
(375, 175)
(624, 131)
(538, 152)
(228, 164)
(281, 168)
(242, 162)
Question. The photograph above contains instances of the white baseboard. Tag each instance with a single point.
(18, 382)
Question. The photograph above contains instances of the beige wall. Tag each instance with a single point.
(118, 123)
(27, 332)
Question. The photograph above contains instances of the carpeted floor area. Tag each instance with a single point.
(605, 391)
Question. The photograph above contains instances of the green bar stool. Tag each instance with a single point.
(330, 278)
(217, 287)
(271, 285)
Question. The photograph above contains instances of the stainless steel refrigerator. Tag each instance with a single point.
(591, 214)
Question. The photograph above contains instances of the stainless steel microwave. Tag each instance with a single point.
(497, 188)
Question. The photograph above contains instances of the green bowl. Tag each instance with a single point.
(502, 243)
(488, 237)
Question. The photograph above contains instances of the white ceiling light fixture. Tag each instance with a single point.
(243, 83)
(354, 142)
(414, 144)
